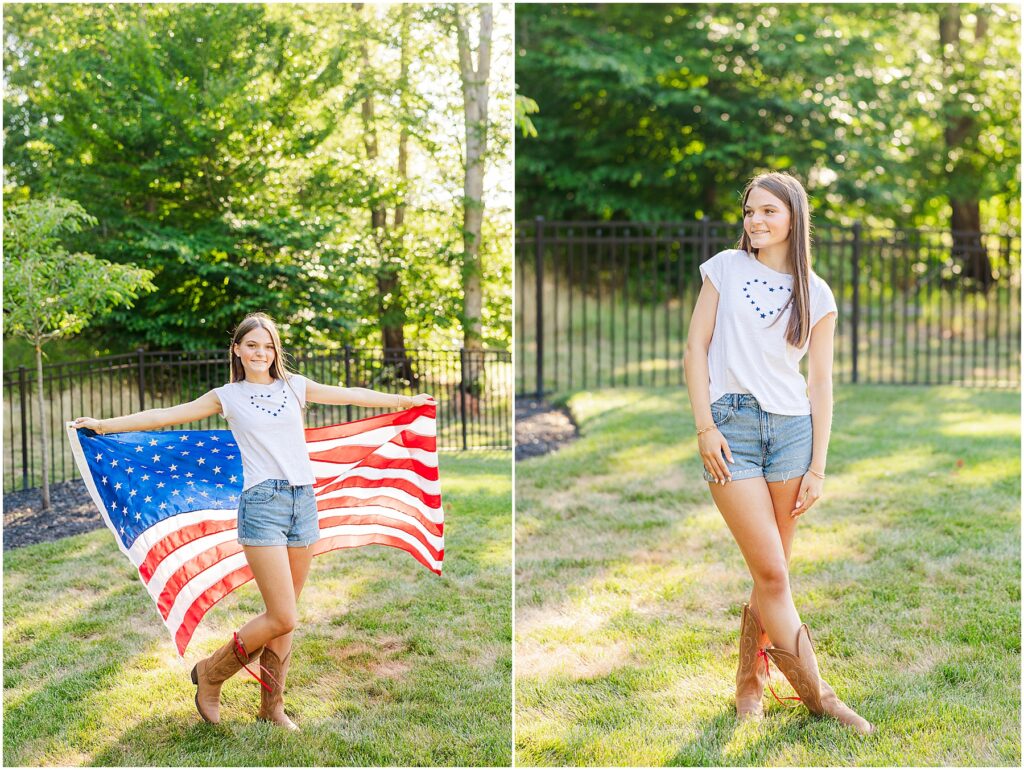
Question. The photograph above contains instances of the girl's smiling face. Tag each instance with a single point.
(257, 352)
(766, 219)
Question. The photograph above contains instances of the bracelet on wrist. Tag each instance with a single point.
(819, 475)
(705, 430)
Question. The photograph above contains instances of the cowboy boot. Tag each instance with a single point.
(210, 673)
(750, 674)
(801, 670)
(272, 700)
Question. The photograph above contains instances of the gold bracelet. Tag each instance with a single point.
(705, 430)
(819, 475)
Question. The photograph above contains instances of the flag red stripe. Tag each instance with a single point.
(415, 441)
(354, 541)
(190, 569)
(207, 599)
(349, 429)
(385, 502)
(175, 540)
(348, 454)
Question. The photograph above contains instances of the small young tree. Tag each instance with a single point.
(50, 293)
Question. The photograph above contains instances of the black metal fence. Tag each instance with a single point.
(608, 303)
(473, 390)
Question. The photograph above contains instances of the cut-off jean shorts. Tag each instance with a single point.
(776, 446)
(274, 512)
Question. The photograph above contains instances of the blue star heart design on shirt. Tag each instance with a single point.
(763, 302)
(275, 409)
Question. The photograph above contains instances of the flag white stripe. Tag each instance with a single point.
(83, 467)
(377, 529)
(436, 515)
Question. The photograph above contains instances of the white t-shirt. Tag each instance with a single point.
(749, 353)
(267, 423)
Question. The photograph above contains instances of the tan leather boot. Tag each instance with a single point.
(210, 673)
(272, 701)
(750, 674)
(801, 670)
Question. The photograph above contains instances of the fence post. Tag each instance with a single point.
(855, 320)
(142, 379)
(538, 271)
(348, 379)
(22, 389)
(462, 394)
(705, 238)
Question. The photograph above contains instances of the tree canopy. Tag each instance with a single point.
(655, 112)
(222, 147)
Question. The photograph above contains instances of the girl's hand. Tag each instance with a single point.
(88, 422)
(713, 447)
(422, 399)
(810, 492)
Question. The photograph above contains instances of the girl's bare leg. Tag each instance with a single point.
(749, 512)
(783, 499)
(271, 566)
(299, 560)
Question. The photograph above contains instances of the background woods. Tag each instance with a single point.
(306, 160)
(895, 115)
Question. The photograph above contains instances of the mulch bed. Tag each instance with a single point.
(72, 512)
(542, 428)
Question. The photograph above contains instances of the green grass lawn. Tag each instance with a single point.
(392, 664)
(629, 589)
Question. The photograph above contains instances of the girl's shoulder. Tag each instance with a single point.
(818, 283)
(730, 254)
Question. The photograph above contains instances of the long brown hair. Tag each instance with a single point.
(278, 369)
(789, 190)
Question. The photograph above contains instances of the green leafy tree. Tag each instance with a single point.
(653, 112)
(225, 146)
(196, 134)
(50, 293)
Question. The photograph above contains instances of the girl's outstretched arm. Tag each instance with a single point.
(332, 394)
(151, 419)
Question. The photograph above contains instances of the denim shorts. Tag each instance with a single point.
(274, 512)
(776, 446)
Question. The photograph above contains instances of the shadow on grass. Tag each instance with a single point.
(907, 571)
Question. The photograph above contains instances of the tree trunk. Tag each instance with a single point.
(45, 464)
(390, 245)
(475, 81)
(960, 133)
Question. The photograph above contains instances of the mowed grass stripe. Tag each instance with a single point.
(392, 664)
(629, 589)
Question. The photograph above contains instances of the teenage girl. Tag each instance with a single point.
(762, 430)
(277, 515)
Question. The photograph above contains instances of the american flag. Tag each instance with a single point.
(171, 500)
